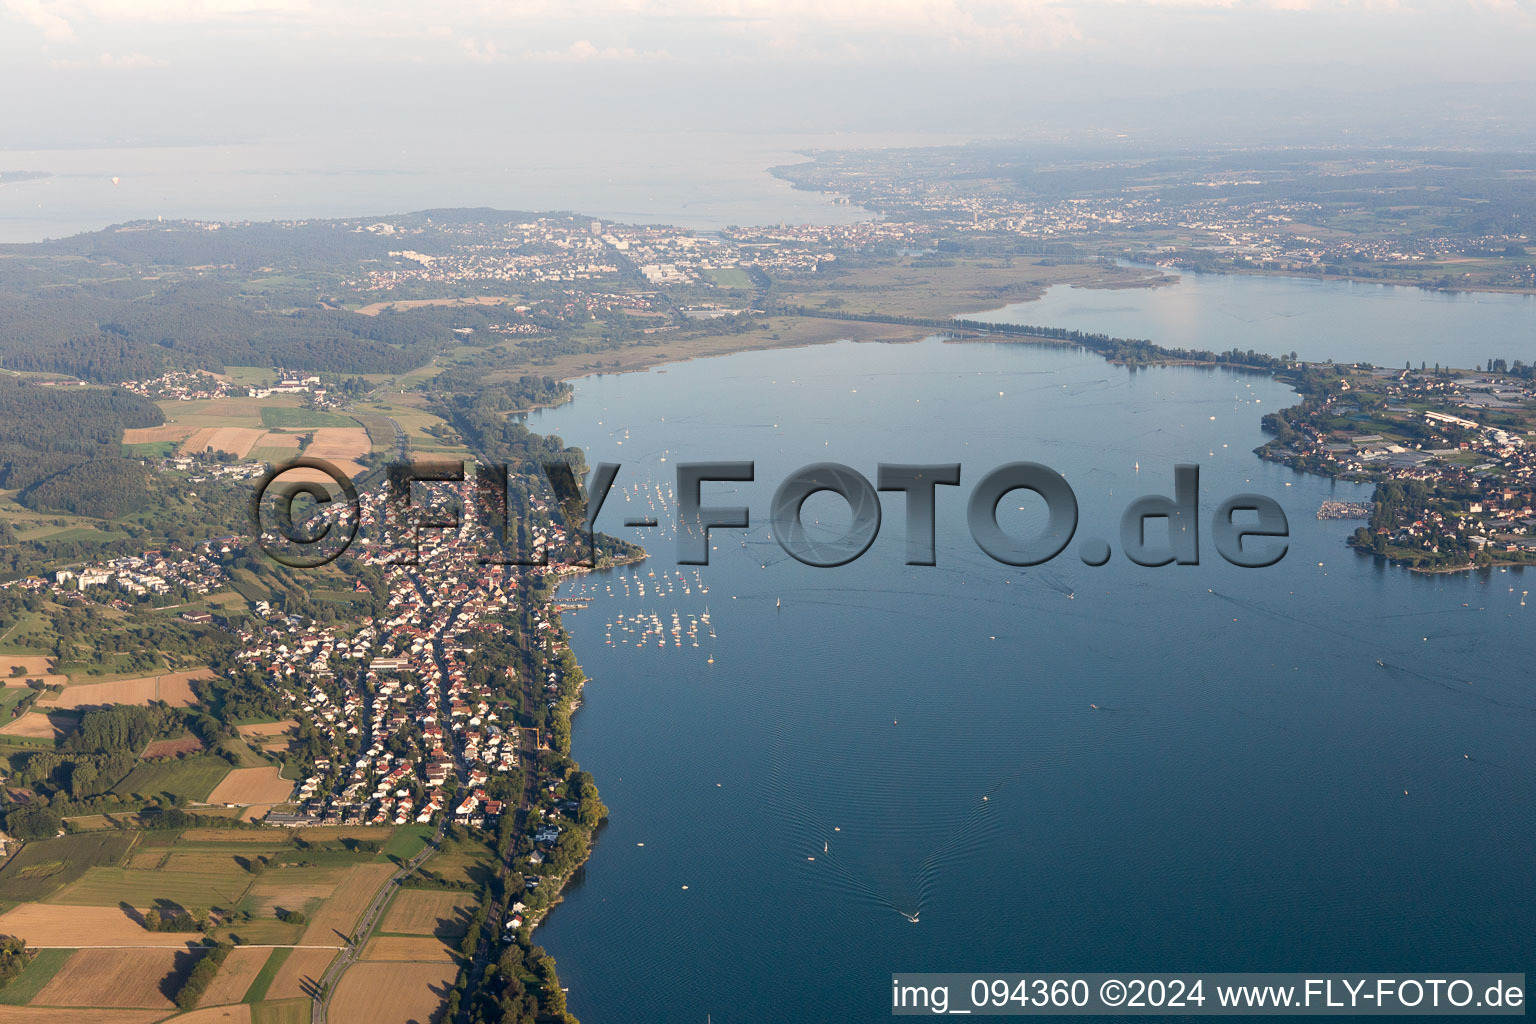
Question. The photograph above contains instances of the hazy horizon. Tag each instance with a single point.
(125, 73)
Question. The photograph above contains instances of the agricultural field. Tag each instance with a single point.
(237, 441)
(292, 888)
(317, 834)
(10, 696)
(236, 976)
(251, 376)
(408, 949)
(130, 978)
(186, 743)
(25, 986)
(44, 866)
(340, 445)
(284, 1011)
(275, 447)
(226, 835)
(268, 735)
(164, 434)
(189, 779)
(242, 752)
(173, 688)
(429, 912)
(291, 417)
(251, 786)
(274, 963)
(730, 277)
(33, 666)
(46, 925)
(261, 932)
(407, 841)
(300, 973)
(72, 1015)
(414, 420)
(392, 993)
(212, 1013)
(381, 433)
(338, 916)
(184, 858)
(464, 861)
(38, 726)
(107, 887)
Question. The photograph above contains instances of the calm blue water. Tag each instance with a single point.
(1344, 321)
(1236, 801)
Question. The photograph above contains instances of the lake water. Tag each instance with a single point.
(697, 180)
(1253, 791)
(1344, 321)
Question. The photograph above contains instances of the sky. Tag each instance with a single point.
(125, 72)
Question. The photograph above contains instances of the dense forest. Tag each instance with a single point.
(133, 301)
(123, 332)
(60, 447)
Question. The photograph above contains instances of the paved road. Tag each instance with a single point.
(365, 925)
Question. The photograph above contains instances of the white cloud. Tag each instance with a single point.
(41, 16)
(480, 51)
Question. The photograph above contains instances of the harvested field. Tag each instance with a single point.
(226, 835)
(261, 730)
(42, 727)
(119, 977)
(238, 441)
(235, 976)
(281, 1011)
(215, 1014)
(428, 912)
(408, 948)
(174, 688)
(72, 927)
(151, 435)
(340, 445)
(213, 412)
(392, 993)
(184, 744)
(337, 917)
(60, 1015)
(251, 786)
(300, 973)
(36, 666)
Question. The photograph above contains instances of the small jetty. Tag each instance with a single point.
(1343, 510)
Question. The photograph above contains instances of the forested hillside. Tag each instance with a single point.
(59, 447)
